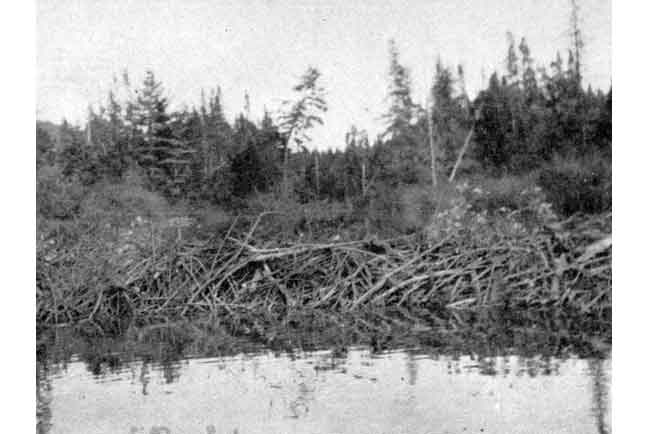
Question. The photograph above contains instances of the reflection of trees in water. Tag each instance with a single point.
(43, 399)
(485, 337)
(170, 370)
(145, 377)
(332, 360)
(600, 393)
(299, 406)
(454, 366)
(487, 366)
(534, 366)
(493, 365)
(506, 365)
(305, 395)
(412, 368)
(100, 364)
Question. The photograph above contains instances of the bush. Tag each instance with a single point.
(408, 208)
(507, 192)
(578, 185)
(290, 219)
(57, 198)
(120, 203)
(212, 218)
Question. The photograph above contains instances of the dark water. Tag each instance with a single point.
(197, 380)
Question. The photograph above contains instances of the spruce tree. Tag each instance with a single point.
(300, 115)
(165, 158)
(447, 116)
(402, 109)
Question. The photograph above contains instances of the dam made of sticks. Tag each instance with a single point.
(546, 271)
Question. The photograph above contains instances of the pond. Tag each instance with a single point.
(423, 380)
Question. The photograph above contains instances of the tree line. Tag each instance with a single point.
(524, 119)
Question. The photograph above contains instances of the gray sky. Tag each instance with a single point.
(262, 46)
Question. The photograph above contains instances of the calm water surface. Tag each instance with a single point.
(108, 388)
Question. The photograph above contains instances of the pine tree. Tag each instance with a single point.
(218, 133)
(44, 147)
(447, 116)
(76, 159)
(151, 122)
(188, 130)
(402, 110)
(165, 158)
(269, 146)
(404, 153)
(301, 114)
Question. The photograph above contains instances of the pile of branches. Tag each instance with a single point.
(567, 266)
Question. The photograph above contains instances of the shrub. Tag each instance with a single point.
(409, 208)
(507, 192)
(578, 185)
(212, 218)
(120, 203)
(291, 219)
(57, 198)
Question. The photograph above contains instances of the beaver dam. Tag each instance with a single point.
(566, 269)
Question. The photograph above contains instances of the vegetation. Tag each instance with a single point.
(502, 200)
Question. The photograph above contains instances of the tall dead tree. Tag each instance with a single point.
(464, 148)
(576, 37)
(430, 132)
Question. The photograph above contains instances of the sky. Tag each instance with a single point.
(263, 46)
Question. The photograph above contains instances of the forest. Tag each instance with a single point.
(142, 198)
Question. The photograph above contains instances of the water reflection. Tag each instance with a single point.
(599, 374)
(215, 382)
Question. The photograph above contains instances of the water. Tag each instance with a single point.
(172, 384)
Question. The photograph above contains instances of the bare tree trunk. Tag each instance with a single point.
(285, 167)
(364, 179)
(285, 173)
(89, 135)
(461, 153)
(464, 148)
(317, 178)
(576, 37)
(203, 138)
(89, 132)
(431, 140)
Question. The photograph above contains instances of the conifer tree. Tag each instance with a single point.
(218, 133)
(402, 110)
(269, 144)
(447, 116)
(44, 147)
(301, 114)
(76, 159)
(165, 158)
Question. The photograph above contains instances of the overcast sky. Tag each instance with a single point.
(262, 46)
